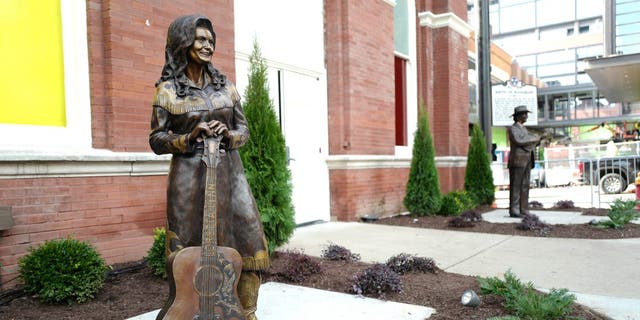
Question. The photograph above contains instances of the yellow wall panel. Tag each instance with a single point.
(31, 60)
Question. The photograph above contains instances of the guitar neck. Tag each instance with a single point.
(209, 221)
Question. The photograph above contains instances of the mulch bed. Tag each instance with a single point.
(136, 290)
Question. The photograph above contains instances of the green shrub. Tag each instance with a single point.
(265, 157)
(478, 178)
(62, 271)
(156, 256)
(423, 196)
(454, 202)
(525, 302)
(621, 213)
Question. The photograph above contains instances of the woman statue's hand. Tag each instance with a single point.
(197, 132)
(219, 128)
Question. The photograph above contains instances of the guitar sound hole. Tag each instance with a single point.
(208, 280)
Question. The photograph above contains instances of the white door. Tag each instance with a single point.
(304, 116)
(299, 100)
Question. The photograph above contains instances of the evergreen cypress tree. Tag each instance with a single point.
(423, 195)
(265, 158)
(478, 179)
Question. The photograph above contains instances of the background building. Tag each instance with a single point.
(562, 44)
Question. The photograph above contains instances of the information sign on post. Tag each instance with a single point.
(508, 95)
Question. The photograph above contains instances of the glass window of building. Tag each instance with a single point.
(516, 41)
(556, 69)
(627, 26)
(556, 56)
(589, 8)
(518, 17)
(555, 33)
(554, 11)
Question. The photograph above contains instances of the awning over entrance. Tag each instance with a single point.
(617, 77)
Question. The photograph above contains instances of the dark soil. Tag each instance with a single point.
(133, 289)
(580, 231)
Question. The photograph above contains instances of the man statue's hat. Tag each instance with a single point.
(520, 109)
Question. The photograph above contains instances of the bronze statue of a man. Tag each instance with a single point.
(521, 160)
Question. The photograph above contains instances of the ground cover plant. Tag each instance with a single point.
(337, 252)
(621, 213)
(532, 222)
(526, 303)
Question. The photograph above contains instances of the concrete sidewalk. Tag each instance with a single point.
(602, 273)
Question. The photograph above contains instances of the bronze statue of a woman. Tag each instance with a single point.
(193, 100)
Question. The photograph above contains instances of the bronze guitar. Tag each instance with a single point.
(203, 280)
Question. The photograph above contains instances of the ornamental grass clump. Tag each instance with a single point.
(336, 252)
(298, 266)
(404, 263)
(63, 271)
(621, 213)
(156, 256)
(522, 300)
(377, 280)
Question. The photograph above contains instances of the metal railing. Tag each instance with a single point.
(588, 182)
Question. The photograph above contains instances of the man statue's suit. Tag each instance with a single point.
(521, 160)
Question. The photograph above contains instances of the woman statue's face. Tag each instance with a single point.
(202, 48)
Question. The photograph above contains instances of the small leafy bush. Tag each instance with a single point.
(336, 252)
(298, 266)
(621, 213)
(454, 202)
(156, 256)
(564, 204)
(525, 302)
(378, 280)
(404, 263)
(532, 222)
(532, 305)
(63, 271)
(466, 219)
(536, 205)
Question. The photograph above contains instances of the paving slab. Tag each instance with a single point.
(548, 216)
(278, 301)
(377, 243)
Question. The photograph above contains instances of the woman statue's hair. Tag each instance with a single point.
(180, 38)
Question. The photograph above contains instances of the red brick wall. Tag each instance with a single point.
(355, 193)
(360, 75)
(126, 57)
(115, 214)
(443, 86)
